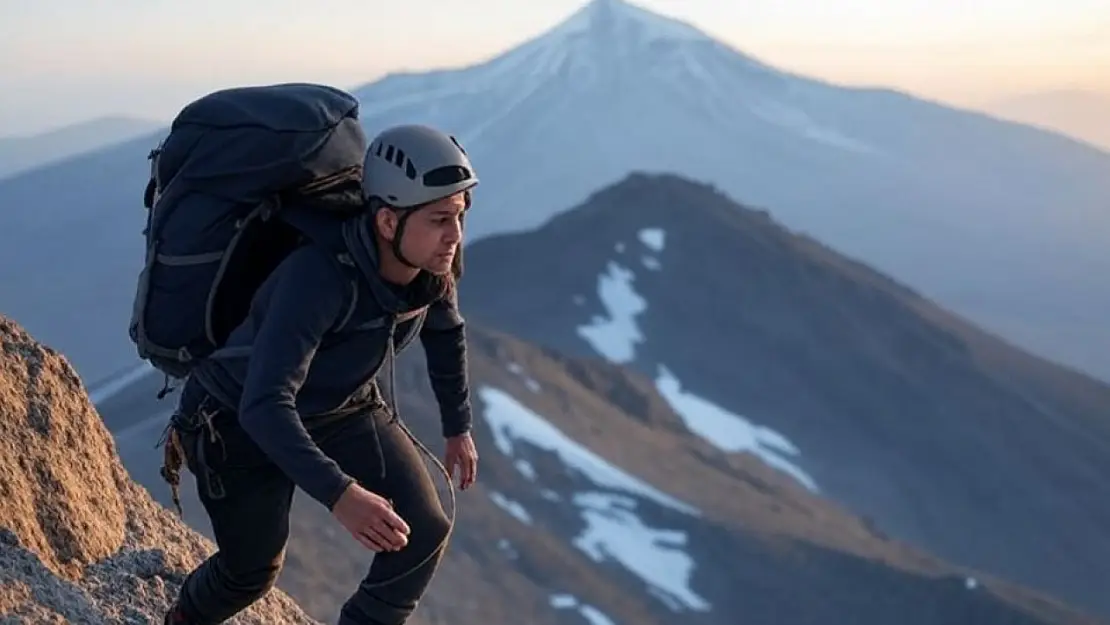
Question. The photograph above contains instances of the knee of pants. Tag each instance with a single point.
(259, 578)
(430, 528)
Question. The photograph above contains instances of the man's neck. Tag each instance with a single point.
(399, 276)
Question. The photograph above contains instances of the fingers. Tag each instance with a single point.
(450, 461)
(396, 523)
(388, 522)
(386, 538)
(380, 538)
(469, 471)
(382, 532)
(367, 543)
(371, 540)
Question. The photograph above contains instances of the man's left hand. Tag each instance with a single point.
(462, 455)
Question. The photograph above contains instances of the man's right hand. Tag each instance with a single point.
(371, 520)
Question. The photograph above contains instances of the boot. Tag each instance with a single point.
(175, 617)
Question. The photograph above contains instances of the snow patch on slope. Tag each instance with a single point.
(729, 431)
(514, 508)
(512, 422)
(594, 616)
(506, 547)
(801, 123)
(525, 468)
(616, 335)
(654, 238)
(529, 381)
(613, 531)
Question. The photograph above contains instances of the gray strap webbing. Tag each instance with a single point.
(383, 322)
(189, 259)
(350, 309)
(373, 324)
(153, 349)
(238, 351)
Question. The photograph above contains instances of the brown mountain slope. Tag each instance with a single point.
(941, 434)
(79, 541)
(766, 544)
(594, 499)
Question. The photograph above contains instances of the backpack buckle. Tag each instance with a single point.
(269, 207)
(154, 185)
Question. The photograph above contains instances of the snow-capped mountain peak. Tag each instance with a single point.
(600, 39)
(608, 21)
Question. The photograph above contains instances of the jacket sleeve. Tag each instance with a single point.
(444, 338)
(306, 301)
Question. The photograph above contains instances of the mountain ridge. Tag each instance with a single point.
(906, 414)
(23, 153)
(1078, 113)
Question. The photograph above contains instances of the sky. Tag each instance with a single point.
(63, 61)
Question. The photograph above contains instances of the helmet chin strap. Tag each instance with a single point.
(396, 243)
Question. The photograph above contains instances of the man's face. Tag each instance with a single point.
(433, 234)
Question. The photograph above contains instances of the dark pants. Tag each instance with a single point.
(248, 500)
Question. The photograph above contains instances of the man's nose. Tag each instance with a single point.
(454, 233)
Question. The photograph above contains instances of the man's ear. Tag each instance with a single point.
(386, 221)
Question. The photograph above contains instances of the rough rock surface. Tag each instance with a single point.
(80, 542)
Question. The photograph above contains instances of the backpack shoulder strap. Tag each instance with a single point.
(348, 269)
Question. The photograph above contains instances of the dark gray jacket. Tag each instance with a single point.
(300, 370)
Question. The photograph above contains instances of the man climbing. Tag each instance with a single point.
(291, 398)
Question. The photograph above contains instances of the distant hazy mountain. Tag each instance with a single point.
(1084, 115)
(24, 152)
(837, 376)
(954, 203)
(1004, 223)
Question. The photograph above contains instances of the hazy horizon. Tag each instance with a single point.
(123, 60)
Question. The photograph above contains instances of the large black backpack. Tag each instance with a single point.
(219, 181)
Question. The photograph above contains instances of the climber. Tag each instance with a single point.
(304, 408)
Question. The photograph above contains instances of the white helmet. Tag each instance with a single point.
(410, 165)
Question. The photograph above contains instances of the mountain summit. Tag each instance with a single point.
(602, 22)
(611, 40)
